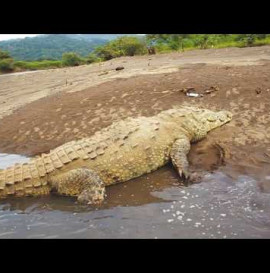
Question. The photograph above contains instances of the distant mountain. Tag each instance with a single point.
(52, 46)
(92, 37)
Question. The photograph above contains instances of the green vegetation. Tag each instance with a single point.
(176, 42)
(6, 65)
(4, 55)
(6, 62)
(71, 59)
(122, 46)
(49, 47)
(52, 46)
(36, 65)
(130, 46)
(92, 58)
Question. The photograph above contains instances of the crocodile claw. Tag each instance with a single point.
(189, 178)
(185, 176)
(87, 197)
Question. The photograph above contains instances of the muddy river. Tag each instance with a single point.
(153, 206)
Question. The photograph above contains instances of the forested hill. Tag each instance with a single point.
(52, 46)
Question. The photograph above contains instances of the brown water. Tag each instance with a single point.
(153, 206)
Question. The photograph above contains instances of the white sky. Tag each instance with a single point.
(20, 36)
(15, 36)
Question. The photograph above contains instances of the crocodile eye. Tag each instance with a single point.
(222, 119)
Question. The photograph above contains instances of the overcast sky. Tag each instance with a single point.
(15, 36)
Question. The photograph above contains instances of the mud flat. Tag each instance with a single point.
(22, 88)
(234, 159)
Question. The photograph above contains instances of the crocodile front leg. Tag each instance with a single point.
(83, 183)
(178, 156)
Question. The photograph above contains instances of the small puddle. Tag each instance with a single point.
(7, 160)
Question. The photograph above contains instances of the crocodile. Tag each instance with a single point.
(120, 152)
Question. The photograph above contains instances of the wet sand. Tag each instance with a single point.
(233, 160)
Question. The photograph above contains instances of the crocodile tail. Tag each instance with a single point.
(22, 180)
(31, 178)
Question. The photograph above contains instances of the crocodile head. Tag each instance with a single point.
(212, 120)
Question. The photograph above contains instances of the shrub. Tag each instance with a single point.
(130, 46)
(6, 65)
(92, 58)
(163, 48)
(4, 55)
(202, 41)
(71, 59)
(122, 46)
(24, 65)
(265, 41)
(168, 42)
(246, 39)
(105, 53)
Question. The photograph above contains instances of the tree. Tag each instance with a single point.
(6, 65)
(249, 39)
(174, 41)
(71, 59)
(50, 46)
(4, 55)
(201, 40)
(122, 46)
(130, 46)
(106, 52)
(6, 62)
(92, 58)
